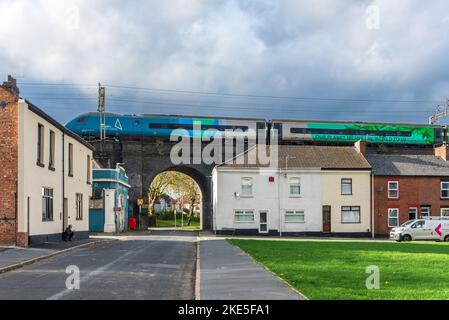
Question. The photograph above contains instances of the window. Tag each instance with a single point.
(350, 214)
(445, 190)
(96, 201)
(295, 186)
(346, 186)
(79, 206)
(393, 189)
(393, 217)
(247, 186)
(47, 204)
(88, 169)
(40, 145)
(419, 224)
(425, 211)
(444, 212)
(294, 216)
(70, 160)
(244, 215)
(51, 158)
(412, 213)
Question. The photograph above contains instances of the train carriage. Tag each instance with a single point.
(162, 126)
(334, 131)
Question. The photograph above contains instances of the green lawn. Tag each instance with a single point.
(171, 224)
(336, 270)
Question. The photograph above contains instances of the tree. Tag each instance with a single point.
(160, 186)
(179, 186)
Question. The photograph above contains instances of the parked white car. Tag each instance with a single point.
(436, 229)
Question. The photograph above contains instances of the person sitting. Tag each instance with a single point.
(68, 234)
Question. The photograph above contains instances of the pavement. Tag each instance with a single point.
(15, 257)
(156, 264)
(227, 273)
(118, 270)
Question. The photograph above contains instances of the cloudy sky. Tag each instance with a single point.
(321, 59)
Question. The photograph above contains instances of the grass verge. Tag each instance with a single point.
(337, 270)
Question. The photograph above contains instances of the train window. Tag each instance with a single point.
(190, 126)
(360, 132)
(81, 119)
(137, 122)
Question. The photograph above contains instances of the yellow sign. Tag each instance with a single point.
(140, 202)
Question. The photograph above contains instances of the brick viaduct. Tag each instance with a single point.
(143, 160)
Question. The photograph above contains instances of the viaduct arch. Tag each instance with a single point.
(143, 160)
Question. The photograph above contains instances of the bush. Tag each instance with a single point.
(169, 215)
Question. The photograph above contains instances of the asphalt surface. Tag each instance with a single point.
(130, 269)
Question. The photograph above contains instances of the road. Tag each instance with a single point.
(146, 268)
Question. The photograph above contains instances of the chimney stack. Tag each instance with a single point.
(11, 86)
(442, 151)
(361, 147)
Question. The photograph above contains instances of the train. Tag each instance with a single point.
(87, 125)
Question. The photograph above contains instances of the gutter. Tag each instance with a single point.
(63, 178)
(372, 205)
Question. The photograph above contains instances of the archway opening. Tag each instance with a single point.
(175, 200)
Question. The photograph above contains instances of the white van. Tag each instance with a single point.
(436, 229)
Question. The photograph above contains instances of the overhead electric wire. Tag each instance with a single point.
(237, 108)
(345, 100)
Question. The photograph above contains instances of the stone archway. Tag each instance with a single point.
(144, 160)
(204, 183)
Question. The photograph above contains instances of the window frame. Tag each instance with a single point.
(294, 213)
(243, 179)
(351, 210)
(389, 217)
(51, 151)
(427, 208)
(79, 206)
(40, 145)
(390, 189)
(89, 169)
(416, 212)
(70, 160)
(444, 189)
(341, 186)
(245, 212)
(441, 212)
(93, 200)
(291, 184)
(47, 204)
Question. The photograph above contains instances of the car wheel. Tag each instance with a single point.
(446, 238)
(406, 237)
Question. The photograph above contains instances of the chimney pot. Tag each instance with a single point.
(11, 86)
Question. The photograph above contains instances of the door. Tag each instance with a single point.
(326, 219)
(418, 230)
(65, 214)
(263, 221)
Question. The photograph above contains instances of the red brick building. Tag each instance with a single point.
(409, 187)
(9, 132)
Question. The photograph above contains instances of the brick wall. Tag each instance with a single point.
(413, 192)
(8, 166)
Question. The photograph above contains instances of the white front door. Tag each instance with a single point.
(263, 221)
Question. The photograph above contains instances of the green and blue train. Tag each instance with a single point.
(161, 126)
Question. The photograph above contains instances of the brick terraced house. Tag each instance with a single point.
(45, 174)
(409, 187)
